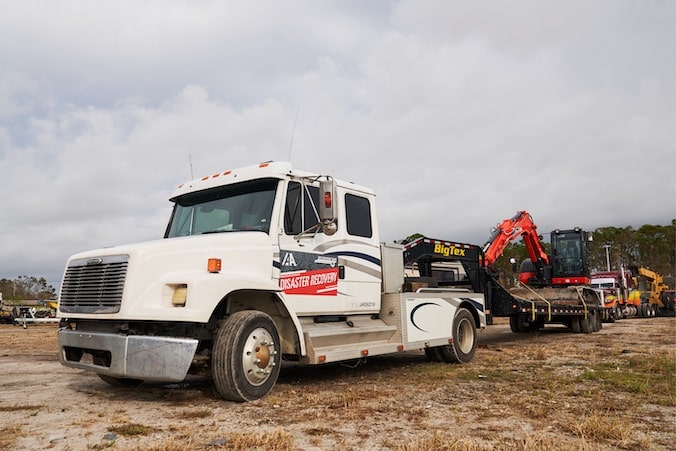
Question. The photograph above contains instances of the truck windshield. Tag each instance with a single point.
(230, 208)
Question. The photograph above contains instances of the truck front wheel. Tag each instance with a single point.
(245, 360)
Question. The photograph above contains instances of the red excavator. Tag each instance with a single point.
(553, 287)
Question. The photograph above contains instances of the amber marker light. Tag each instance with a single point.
(214, 265)
(364, 352)
(327, 199)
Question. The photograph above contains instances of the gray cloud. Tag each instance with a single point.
(457, 114)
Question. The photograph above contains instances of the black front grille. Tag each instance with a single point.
(94, 285)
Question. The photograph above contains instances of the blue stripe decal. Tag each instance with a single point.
(367, 257)
(362, 256)
(478, 305)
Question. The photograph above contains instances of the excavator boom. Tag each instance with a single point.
(520, 225)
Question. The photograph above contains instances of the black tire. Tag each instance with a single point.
(434, 354)
(536, 325)
(595, 320)
(464, 339)
(575, 324)
(586, 324)
(516, 325)
(120, 381)
(245, 360)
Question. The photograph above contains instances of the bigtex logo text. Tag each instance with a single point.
(448, 250)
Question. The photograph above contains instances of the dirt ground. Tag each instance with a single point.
(552, 389)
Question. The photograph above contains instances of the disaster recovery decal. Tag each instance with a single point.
(304, 273)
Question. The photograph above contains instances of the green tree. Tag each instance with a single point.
(26, 287)
(651, 246)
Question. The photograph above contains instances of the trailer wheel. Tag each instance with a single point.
(586, 323)
(599, 323)
(575, 324)
(595, 316)
(464, 339)
(245, 359)
(516, 325)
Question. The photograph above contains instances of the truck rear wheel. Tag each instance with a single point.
(245, 360)
(464, 339)
(434, 354)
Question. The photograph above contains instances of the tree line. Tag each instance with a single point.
(26, 288)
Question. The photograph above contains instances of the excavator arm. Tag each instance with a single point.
(520, 225)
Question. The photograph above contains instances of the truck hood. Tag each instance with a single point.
(156, 268)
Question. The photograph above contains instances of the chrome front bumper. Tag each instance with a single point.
(142, 357)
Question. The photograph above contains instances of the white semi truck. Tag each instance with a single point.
(257, 265)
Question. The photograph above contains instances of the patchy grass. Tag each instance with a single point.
(132, 429)
(548, 391)
(9, 434)
(20, 407)
(649, 377)
(192, 414)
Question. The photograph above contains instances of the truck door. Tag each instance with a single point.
(312, 264)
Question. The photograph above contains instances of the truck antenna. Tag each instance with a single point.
(190, 161)
(293, 132)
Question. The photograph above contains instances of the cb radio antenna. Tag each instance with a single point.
(293, 132)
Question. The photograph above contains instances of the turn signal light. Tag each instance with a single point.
(214, 265)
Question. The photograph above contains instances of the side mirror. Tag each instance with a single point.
(328, 210)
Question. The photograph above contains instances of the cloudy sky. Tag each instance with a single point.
(456, 113)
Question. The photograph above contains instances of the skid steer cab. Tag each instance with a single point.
(257, 265)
